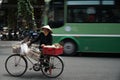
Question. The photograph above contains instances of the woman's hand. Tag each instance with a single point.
(42, 45)
(28, 43)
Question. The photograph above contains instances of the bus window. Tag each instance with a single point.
(92, 14)
(56, 14)
(111, 15)
(78, 14)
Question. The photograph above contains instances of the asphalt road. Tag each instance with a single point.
(76, 68)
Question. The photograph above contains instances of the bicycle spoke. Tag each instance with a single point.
(16, 65)
(55, 67)
(17, 61)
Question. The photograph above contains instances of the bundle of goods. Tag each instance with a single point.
(55, 49)
(34, 53)
(23, 49)
(35, 45)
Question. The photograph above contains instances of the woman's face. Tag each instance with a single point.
(46, 31)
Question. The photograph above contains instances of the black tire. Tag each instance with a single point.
(16, 65)
(69, 47)
(55, 67)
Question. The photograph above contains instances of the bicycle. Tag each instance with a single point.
(16, 64)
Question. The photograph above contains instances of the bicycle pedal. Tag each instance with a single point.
(30, 68)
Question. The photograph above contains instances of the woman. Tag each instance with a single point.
(44, 38)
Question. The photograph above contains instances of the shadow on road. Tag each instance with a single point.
(30, 76)
(108, 55)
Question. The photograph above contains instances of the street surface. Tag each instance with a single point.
(76, 68)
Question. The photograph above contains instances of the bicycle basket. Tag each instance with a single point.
(16, 48)
(20, 49)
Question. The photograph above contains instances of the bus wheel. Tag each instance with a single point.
(69, 48)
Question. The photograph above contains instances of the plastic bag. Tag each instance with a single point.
(24, 49)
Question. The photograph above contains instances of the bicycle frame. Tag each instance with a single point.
(53, 64)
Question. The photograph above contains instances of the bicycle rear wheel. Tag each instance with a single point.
(54, 66)
(16, 65)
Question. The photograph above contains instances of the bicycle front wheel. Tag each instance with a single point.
(52, 67)
(16, 65)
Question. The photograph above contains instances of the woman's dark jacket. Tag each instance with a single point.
(47, 40)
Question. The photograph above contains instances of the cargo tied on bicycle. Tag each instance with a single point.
(46, 56)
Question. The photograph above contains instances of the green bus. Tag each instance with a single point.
(86, 25)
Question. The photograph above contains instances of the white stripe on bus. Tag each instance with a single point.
(89, 35)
